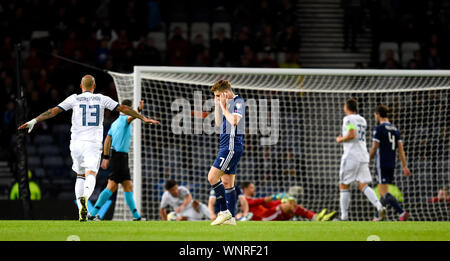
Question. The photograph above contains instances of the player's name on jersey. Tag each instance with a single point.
(392, 128)
(95, 98)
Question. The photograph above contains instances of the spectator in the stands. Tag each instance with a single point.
(285, 15)
(177, 49)
(90, 45)
(202, 59)
(104, 10)
(33, 62)
(220, 60)
(434, 61)
(197, 48)
(146, 52)
(264, 15)
(412, 64)
(389, 61)
(120, 47)
(352, 22)
(70, 44)
(418, 57)
(102, 54)
(266, 40)
(221, 46)
(289, 41)
(248, 57)
(267, 61)
(105, 30)
(241, 42)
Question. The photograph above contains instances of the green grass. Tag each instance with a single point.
(202, 231)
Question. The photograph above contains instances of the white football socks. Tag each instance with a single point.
(370, 194)
(79, 189)
(89, 185)
(344, 203)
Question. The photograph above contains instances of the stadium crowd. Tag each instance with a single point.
(116, 35)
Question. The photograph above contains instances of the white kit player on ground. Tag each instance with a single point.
(180, 200)
(355, 161)
(87, 135)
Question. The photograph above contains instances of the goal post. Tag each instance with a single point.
(292, 120)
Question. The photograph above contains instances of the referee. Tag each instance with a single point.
(118, 141)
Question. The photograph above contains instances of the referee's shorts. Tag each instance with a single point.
(120, 170)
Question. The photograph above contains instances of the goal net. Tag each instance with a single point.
(293, 118)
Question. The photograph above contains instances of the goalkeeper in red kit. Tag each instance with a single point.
(279, 207)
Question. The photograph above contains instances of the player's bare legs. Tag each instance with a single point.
(112, 186)
(214, 178)
(214, 175)
(228, 180)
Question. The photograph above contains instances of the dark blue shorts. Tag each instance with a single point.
(385, 176)
(227, 161)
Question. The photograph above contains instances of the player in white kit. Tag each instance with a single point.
(87, 134)
(179, 199)
(355, 161)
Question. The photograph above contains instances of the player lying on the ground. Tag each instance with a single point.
(272, 208)
(214, 207)
(386, 140)
(200, 213)
(87, 134)
(180, 200)
(229, 113)
(355, 160)
(116, 148)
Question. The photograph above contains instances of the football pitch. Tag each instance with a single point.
(202, 231)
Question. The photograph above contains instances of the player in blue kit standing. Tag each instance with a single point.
(119, 138)
(229, 113)
(386, 140)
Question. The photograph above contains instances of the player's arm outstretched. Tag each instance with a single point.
(50, 113)
(141, 106)
(130, 112)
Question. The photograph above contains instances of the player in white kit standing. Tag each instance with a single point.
(87, 134)
(355, 161)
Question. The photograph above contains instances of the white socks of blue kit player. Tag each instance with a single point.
(89, 185)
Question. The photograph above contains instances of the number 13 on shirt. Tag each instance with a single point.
(95, 114)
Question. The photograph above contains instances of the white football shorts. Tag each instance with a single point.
(354, 171)
(85, 156)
